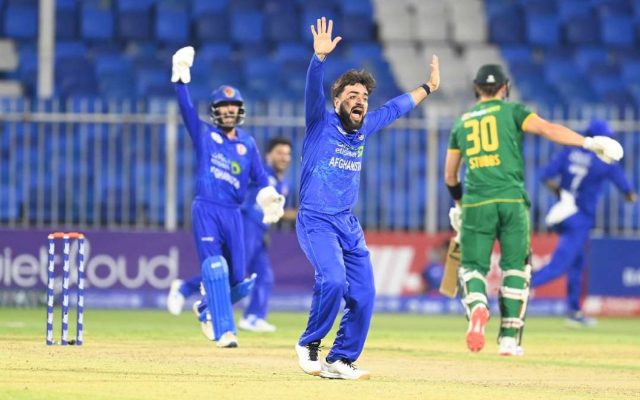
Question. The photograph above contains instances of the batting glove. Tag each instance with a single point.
(271, 203)
(182, 61)
(607, 149)
(455, 218)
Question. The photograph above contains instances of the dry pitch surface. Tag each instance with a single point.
(153, 355)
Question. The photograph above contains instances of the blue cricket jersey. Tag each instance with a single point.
(251, 209)
(332, 157)
(582, 173)
(225, 166)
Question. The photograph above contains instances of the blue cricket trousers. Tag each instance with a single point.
(568, 258)
(258, 262)
(335, 246)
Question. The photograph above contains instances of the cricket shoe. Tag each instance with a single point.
(343, 369)
(579, 320)
(508, 346)
(308, 357)
(228, 340)
(252, 323)
(205, 320)
(475, 332)
(175, 299)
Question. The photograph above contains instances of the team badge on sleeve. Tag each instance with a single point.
(242, 149)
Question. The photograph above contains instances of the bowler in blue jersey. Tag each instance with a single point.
(582, 177)
(329, 234)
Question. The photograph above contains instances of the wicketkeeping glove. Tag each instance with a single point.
(607, 149)
(271, 203)
(182, 61)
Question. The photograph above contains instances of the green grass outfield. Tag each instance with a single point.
(153, 355)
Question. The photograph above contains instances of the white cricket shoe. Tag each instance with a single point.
(205, 324)
(308, 358)
(175, 299)
(475, 332)
(508, 346)
(255, 324)
(228, 340)
(343, 369)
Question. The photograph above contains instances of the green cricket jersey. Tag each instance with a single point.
(489, 137)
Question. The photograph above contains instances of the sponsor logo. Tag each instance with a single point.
(225, 176)
(360, 137)
(631, 277)
(241, 148)
(207, 239)
(216, 137)
(101, 270)
(235, 168)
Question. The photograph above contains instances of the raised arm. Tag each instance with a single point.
(314, 93)
(604, 147)
(421, 92)
(181, 75)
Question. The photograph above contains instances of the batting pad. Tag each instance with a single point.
(215, 279)
(243, 289)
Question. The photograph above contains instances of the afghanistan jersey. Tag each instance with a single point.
(332, 157)
(225, 166)
(583, 174)
(489, 137)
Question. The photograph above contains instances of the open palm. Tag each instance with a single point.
(322, 42)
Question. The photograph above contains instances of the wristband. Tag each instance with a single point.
(426, 88)
(455, 191)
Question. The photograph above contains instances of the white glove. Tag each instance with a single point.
(607, 149)
(562, 210)
(182, 61)
(271, 203)
(455, 218)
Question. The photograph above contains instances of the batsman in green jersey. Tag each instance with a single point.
(494, 205)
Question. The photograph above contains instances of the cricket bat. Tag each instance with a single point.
(449, 283)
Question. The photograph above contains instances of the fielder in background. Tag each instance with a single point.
(582, 177)
(488, 138)
(329, 234)
(227, 160)
(256, 233)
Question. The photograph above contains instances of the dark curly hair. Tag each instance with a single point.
(351, 77)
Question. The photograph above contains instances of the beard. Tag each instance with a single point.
(345, 118)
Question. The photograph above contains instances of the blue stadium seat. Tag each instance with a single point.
(540, 6)
(631, 71)
(214, 51)
(569, 9)
(262, 74)
(506, 26)
(247, 27)
(618, 30)
(292, 51)
(21, 21)
(282, 25)
(588, 57)
(517, 54)
(355, 27)
(66, 20)
(362, 8)
(582, 29)
(76, 76)
(172, 23)
(134, 19)
(96, 23)
(209, 6)
(611, 7)
(70, 49)
(212, 27)
(543, 29)
(240, 6)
